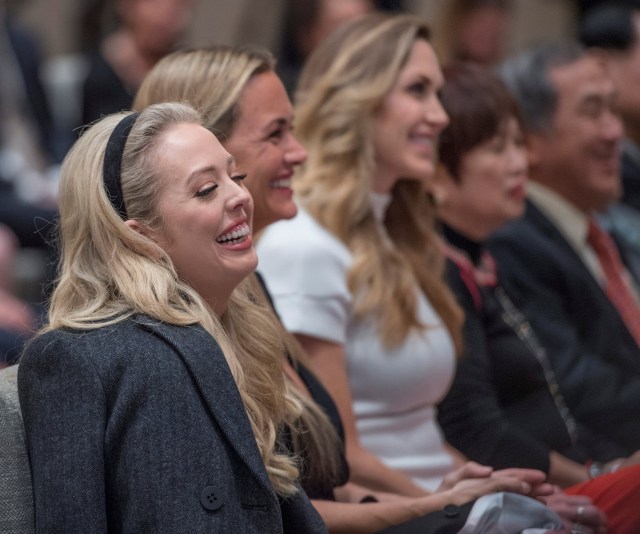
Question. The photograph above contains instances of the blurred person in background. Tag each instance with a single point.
(28, 184)
(505, 407)
(612, 31)
(147, 31)
(306, 24)
(559, 266)
(472, 30)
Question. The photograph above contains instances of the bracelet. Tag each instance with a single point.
(595, 469)
(614, 467)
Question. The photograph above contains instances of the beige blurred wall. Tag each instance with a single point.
(258, 21)
(214, 21)
(534, 21)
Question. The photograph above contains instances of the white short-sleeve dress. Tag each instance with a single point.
(394, 392)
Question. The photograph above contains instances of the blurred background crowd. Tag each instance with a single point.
(65, 63)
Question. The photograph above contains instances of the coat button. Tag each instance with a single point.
(451, 510)
(211, 498)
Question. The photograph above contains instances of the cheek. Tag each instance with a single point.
(408, 112)
(397, 110)
(266, 167)
(486, 186)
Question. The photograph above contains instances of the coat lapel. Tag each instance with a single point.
(211, 374)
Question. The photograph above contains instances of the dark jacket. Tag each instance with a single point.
(500, 410)
(631, 178)
(139, 427)
(595, 358)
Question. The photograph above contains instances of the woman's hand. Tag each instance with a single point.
(577, 511)
(470, 470)
(473, 488)
(535, 478)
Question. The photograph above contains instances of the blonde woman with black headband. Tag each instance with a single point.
(143, 410)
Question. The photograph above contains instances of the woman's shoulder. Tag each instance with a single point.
(301, 245)
(302, 233)
(299, 255)
(106, 344)
(111, 328)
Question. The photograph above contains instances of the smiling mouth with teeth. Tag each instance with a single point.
(284, 183)
(237, 235)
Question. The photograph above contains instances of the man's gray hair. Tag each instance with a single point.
(527, 77)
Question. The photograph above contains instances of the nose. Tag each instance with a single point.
(612, 128)
(295, 153)
(436, 114)
(238, 197)
(518, 161)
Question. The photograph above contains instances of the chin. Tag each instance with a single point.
(285, 212)
(423, 172)
(242, 271)
(514, 213)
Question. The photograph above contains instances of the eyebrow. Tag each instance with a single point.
(211, 169)
(280, 121)
(429, 81)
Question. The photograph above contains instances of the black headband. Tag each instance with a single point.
(113, 163)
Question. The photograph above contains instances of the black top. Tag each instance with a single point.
(324, 400)
(315, 489)
(500, 411)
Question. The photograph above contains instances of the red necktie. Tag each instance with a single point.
(616, 288)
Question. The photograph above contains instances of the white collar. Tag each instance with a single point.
(379, 204)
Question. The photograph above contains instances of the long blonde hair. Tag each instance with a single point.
(109, 272)
(341, 87)
(212, 80)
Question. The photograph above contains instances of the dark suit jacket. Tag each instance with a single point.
(29, 61)
(631, 180)
(596, 360)
(139, 427)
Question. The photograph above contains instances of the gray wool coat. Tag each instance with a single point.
(139, 427)
(16, 495)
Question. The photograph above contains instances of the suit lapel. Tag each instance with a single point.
(571, 257)
(550, 230)
(211, 374)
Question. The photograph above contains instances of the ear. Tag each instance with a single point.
(140, 228)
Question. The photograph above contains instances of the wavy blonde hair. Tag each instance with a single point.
(109, 272)
(212, 80)
(340, 90)
(209, 79)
